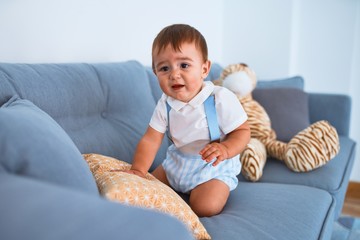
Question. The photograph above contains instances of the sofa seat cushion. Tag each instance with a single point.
(273, 211)
(329, 177)
(34, 145)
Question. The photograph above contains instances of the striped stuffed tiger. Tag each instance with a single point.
(309, 149)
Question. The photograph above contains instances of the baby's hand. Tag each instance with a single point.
(136, 172)
(214, 150)
(130, 171)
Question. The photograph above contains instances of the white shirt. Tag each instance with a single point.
(188, 124)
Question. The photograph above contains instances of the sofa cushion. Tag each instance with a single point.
(290, 82)
(287, 108)
(273, 211)
(34, 145)
(116, 185)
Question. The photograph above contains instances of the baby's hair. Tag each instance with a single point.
(177, 34)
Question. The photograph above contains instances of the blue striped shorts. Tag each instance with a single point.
(185, 171)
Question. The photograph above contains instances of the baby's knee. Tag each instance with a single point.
(208, 209)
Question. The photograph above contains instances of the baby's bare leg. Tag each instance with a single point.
(160, 174)
(209, 198)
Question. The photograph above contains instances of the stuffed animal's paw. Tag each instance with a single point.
(313, 147)
(253, 160)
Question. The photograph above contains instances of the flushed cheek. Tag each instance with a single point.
(164, 85)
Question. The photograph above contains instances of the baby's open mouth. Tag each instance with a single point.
(177, 86)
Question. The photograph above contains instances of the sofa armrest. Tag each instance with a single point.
(335, 108)
(31, 209)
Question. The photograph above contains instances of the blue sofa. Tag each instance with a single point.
(51, 113)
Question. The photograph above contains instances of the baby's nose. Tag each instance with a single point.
(175, 73)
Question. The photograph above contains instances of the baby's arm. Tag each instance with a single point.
(146, 151)
(234, 143)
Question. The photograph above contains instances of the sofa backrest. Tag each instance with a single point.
(104, 108)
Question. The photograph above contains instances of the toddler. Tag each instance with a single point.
(206, 123)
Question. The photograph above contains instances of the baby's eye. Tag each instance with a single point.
(184, 65)
(164, 69)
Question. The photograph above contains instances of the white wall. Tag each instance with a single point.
(36, 31)
(319, 40)
(354, 92)
(257, 32)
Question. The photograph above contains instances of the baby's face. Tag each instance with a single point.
(181, 73)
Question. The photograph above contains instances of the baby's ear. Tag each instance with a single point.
(206, 68)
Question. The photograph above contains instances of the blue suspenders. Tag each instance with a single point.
(211, 117)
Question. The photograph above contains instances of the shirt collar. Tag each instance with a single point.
(207, 89)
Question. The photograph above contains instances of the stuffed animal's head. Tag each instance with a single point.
(239, 79)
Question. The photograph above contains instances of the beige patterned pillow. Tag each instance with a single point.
(148, 193)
